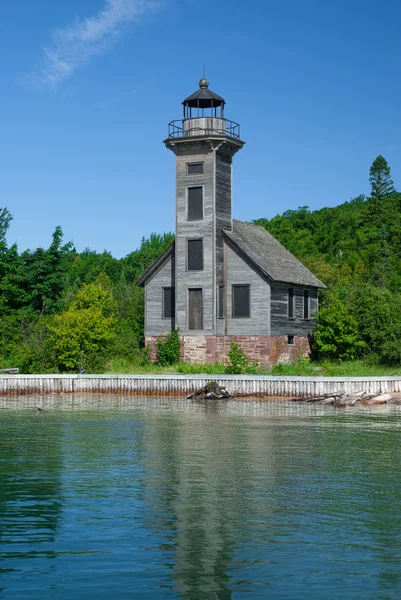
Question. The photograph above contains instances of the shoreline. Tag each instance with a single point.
(179, 385)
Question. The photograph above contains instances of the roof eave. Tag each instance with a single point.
(155, 266)
(319, 285)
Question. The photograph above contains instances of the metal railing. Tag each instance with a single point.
(176, 128)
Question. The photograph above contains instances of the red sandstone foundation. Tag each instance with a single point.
(266, 350)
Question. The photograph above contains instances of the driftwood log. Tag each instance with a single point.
(10, 371)
(341, 399)
(211, 391)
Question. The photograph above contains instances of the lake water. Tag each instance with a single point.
(120, 498)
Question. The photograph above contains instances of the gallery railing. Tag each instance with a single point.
(203, 126)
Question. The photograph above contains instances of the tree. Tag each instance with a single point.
(36, 279)
(380, 179)
(82, 335)
(337, 335)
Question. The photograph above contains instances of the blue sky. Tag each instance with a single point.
(88, 88)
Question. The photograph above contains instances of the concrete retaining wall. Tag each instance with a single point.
(181, 385)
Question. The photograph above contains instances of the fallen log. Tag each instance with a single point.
(341, 399)
(211, 391)
(10, 371)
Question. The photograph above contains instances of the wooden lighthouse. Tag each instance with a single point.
(223, 280)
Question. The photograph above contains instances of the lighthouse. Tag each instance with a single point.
(222, 280)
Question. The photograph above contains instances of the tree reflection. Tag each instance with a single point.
(30, 468)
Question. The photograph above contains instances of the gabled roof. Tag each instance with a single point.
(159, 262)
(269, 256)
(266, 254)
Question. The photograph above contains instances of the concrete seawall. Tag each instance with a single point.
(181, 385)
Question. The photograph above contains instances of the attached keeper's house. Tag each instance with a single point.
(223, 280)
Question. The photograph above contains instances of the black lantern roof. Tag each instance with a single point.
(204, 98)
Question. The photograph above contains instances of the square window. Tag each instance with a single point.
(195, 255)
(241, 305)
(168, 303)
(195, 168)
(195, 203)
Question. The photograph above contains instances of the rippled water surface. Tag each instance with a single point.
(120, 498)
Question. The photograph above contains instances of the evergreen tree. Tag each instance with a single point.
(380, 179)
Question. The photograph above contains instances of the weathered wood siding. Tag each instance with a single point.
(239, 272)
(199, 151)
(281, 324)
(154, 322)
(223, 208)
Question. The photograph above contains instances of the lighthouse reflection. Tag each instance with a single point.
(213, 484)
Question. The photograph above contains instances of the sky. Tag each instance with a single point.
(88, 87)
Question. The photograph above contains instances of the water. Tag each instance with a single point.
(120, 498)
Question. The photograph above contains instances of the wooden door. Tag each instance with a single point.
(195, 309)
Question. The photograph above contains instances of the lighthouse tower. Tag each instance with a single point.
(204, 143)
(223, 281)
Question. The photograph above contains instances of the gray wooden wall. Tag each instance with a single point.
(164, 277)
(223, 208)
(281, 324)
(239, 272)
(205, 228)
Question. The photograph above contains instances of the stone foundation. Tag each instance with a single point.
(266, 350)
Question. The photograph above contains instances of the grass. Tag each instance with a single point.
(356, 368)
(124, 366)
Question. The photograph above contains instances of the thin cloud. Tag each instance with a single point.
(74, 46)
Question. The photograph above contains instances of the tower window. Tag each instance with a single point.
(195, 203)
(168, 303)
(195, 309)
(195, 168)
(241, 305)
(291, 303)
(195, 255)
(306, 304)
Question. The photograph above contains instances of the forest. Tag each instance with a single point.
(63, 311)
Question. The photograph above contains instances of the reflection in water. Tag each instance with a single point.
(152, 497)
(30, 467)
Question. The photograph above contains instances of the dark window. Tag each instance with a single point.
(195, 169)
(195, 309)
(241, 301)
(306, 304)
(195, 255)
(195, 203)
(291, 303)
(168, 303)
(221, 302)
(291, 340)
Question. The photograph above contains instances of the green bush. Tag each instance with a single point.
(168, 349)
(337, 335)
(239, 362)
(145, 355)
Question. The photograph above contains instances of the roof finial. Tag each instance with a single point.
(203, 82)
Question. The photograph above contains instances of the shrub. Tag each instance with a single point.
(168, 349)
(239, 363)
(145, 355)
(337, 335)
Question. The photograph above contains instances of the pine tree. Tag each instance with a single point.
(380, 179)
